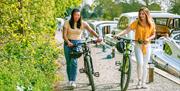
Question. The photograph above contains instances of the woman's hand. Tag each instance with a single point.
(70, 44)
(99, 40)
(115, 36)
(146, 41)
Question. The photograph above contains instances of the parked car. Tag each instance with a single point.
(103, 27)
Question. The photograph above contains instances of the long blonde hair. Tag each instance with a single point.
(148, 17)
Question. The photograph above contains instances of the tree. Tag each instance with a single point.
(85, 11)
(106, 9)
(152, 5)
(113, 8)
(61, 6)
(175, 7)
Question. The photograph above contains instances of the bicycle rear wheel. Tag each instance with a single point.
(125, 72)
(87, 64)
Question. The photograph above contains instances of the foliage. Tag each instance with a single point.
(175, 7)
(106, 9)
(154, 7)
(86, 12)
(62, 6)
(28, 61)
(110, 9)
(28, 51)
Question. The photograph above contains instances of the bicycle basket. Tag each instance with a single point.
(120, 46)
(76, 53)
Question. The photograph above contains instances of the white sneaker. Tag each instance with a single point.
(144, 86)
(73, 84)
(138, 86)
(69, 83)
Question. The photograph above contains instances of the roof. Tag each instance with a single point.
(157, 14)
(96, 23)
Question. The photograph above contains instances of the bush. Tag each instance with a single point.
(28, 62)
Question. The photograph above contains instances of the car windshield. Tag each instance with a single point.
(161, 21)
(169, 22)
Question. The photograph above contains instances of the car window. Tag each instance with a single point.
(177, 23)
(160, 21)
(123, 22)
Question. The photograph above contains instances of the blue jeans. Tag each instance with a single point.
(71, 63)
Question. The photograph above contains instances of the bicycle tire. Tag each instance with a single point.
(125, 72)
(87, 64)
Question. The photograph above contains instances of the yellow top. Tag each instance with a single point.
(142, 33)
(73, 34)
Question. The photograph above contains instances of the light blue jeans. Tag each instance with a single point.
(71, 63)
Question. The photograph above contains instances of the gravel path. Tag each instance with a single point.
(109, 79)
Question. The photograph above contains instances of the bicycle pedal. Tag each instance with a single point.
(82, 70)
(117, 63)
(96, 74)
(119, 69)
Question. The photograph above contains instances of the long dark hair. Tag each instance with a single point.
(71, 21)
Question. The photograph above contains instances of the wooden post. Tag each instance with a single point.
(151, 72)
(113, 52)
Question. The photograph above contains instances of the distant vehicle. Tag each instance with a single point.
(103, 27)
(58, 33)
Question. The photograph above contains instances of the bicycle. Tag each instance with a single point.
(125, 66)
(88, 63)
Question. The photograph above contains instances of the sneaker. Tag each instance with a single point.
(144, 86)
(69, 83)
(73, 84)
(138, 86)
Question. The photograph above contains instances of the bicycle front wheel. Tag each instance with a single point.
(87, 64)
(125, 72)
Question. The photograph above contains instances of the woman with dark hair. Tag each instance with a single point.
(72, 35)
(144, 29)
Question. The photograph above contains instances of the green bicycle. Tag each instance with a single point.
(88, 63)
(125, 47)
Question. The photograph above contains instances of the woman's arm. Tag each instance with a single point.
(124, 32)
(65, 29)
(152, 36)
(86, 25)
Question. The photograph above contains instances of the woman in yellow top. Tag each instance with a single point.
(144, 29)
(72, 35)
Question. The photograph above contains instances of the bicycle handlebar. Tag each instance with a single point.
(85, 43)
(131, 40)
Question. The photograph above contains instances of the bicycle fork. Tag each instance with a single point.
(84, 70)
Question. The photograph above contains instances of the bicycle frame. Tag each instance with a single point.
(88, 64)
(87, 52)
